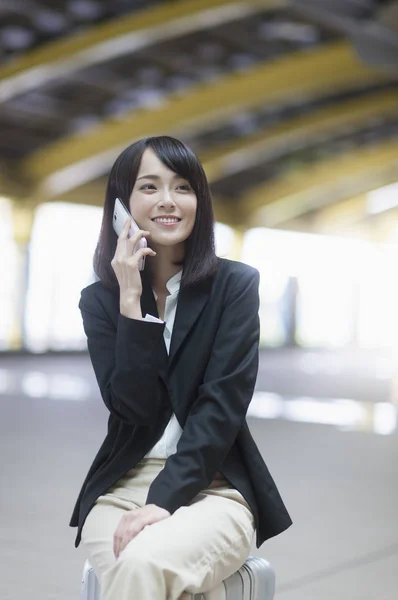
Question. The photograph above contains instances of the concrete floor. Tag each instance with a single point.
(339, 482)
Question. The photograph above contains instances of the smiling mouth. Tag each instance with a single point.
(166, 221)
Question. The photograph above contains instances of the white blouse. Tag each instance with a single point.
(167, 444)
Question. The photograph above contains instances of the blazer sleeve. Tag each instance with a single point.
(124, 361)
(219, 411)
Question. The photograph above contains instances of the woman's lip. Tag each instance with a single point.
(166, 224)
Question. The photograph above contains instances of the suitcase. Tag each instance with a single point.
(255, 580)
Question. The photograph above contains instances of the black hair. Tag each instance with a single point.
(200, 260)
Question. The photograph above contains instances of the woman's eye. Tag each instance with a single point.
(150, 186)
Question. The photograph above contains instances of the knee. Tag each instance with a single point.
(143, 562)
(136, 570)
(98, 551)
(137, 558)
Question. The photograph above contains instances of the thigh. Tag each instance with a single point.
(128, 493)
(99, 528)
(201, 544)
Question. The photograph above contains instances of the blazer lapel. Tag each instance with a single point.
(148, 305)
(190, 305)
(148, 302)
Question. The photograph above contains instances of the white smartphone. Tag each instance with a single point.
(120, 215)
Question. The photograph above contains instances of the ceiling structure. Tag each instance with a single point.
(292, 119)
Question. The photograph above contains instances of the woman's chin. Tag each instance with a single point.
(165, 240)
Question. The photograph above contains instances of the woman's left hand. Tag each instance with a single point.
(133, 522)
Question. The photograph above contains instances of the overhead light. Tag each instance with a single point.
(382, 199)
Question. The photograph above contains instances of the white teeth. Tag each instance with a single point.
(166, 220)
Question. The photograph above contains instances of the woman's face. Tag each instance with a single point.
(158, 192)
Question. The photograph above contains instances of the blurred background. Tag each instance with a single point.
(292, 106)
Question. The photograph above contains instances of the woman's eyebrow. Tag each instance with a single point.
(155, 177)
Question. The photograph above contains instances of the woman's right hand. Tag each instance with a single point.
(125, 264)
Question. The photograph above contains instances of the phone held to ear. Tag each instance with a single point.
(120, 215)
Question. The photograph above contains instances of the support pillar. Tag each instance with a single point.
(237, 247)
(23, 217)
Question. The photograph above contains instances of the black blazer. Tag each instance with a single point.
(207, 380)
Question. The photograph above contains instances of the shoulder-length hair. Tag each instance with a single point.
(200, 260)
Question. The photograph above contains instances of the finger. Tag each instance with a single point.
(131, 243)
(134, 239)
(121, 546)
(128, 536)
(116, 541)
(121, 543)
(125, 230)
(124, 244)
(135, 258)
(121, 240)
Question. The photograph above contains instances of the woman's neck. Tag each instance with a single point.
(162, 269)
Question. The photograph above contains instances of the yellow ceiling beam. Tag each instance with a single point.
(341, 215)
(349, 218)
(81, 157)
(120, 36)
(360, 228)
(346, 211)
(271, 141)
(12, 185)
(330, 219)
(298, 132)
(385, 226)
(91, 193)
(321, 183)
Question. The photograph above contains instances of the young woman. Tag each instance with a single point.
(178, 488)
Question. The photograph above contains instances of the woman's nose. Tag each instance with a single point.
(167, 199)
